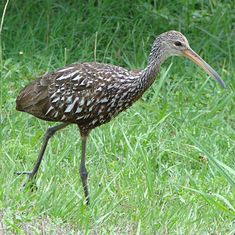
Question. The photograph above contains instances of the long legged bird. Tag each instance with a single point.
(91, 94)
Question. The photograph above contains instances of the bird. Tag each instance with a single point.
(90, 94)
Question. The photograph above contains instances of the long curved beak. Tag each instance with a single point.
(193, 56)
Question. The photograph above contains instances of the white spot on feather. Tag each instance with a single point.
(78, 118)
(76, 78)
(69, 99)
(66, 76)
(83, 82)
(89, 102)
(110, 86)
(99, 89)
(49, 110)
(79, 110)
(56, 114)
(81, 103)
(66, 69)
(63, 117)
(53, 95)
(71, 106)
(104, 100)
(55, 100)
(94, 121)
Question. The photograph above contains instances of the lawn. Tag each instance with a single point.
(164, 166)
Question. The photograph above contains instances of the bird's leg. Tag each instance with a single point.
(49, 133)
(82, 170)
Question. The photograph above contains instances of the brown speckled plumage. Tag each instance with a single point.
(91, 94)
(87, 94)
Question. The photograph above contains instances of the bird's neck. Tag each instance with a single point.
(148, 75)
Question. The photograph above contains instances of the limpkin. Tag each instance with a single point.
(91, 94)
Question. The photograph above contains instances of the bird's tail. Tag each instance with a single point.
(32, 98)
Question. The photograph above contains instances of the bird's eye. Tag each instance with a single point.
(178, 44)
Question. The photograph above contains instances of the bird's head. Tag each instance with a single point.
(175, 43)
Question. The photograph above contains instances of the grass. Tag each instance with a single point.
(165, 166)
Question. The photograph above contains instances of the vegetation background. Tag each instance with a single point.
(166, 166)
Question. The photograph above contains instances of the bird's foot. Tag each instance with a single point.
(24, 173)
(29, 182)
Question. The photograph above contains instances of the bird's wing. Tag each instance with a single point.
(69, 93)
